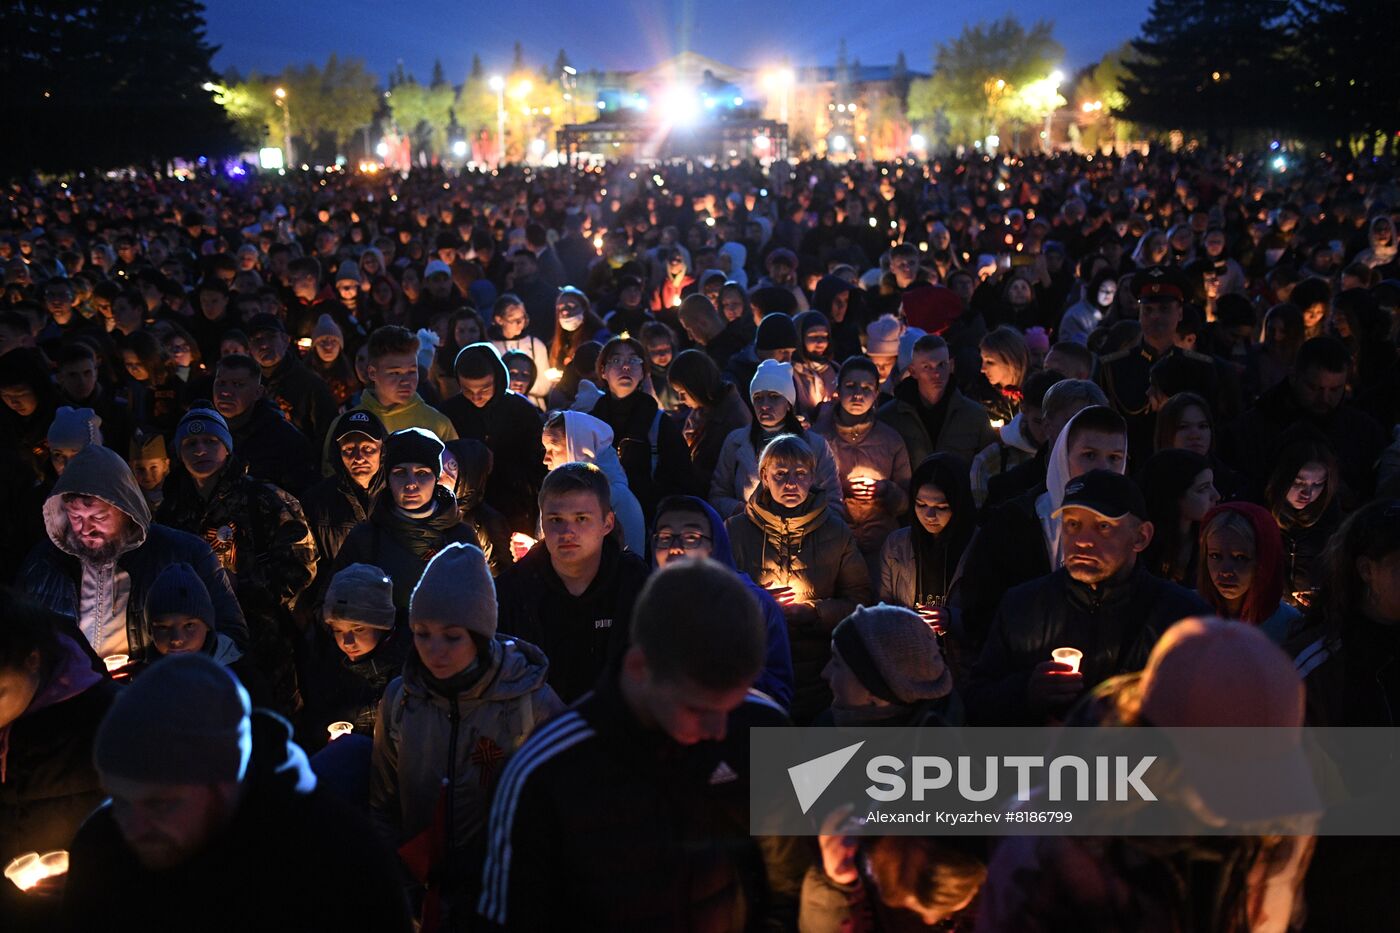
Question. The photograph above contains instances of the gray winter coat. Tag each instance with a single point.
(418, 746)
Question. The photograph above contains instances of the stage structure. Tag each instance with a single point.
(720, 140)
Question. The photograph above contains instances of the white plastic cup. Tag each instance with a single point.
(337, 729)
(25, 871)
(54, 863)
(1070, 656)
(115, 662)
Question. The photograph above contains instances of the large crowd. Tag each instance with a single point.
(417, 551)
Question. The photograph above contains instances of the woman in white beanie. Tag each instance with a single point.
(774, 396)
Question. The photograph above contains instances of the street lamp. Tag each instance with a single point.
(281, 95)
(498, 84)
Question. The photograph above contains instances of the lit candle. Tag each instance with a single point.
(115, 662)
(25, 871)
(553, 375)
(520, 544)
(337, 729)
(998, 424)
(55, 863)
(1069, 656)
(304, 343)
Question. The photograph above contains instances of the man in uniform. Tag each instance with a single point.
(1126, 375)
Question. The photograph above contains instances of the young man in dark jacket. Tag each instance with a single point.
(203, 790)
(631, 808)
(342, 500)
(572, 594)
(302, 396)
(506, 423)
(1102, 603)
(930, 413)
(275, 451)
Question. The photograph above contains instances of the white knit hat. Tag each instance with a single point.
(773, 376)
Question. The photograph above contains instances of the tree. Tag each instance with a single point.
(1210, 67)
(423, 113)
(1099, 95)
(439, 78)
(102, 83)
(332, 102)
(1348, 96)
(976, 78)
(475, 106)
(250, 105)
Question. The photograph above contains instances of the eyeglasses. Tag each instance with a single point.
(689, 540)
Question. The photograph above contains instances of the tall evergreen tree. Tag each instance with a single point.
(1209, 66)
(99, 83)
(1348, 93)
(439, 77)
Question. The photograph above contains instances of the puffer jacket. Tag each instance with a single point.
(402, 546)
(869, 449)
(430, 746)
(1115, 626)
(55, 576)
(815, 553)
(816, 385)
(736, 475)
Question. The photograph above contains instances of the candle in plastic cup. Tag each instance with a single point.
(1070, 656)
(25, 871)
(337, 729)
(54, 863)
(115, 662)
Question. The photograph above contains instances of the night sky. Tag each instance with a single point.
(626, 34)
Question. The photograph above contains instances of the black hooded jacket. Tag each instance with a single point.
(291, 858)
(336, 505)
(651, 448)
(402, 546)
(302, 396)
(510, 426)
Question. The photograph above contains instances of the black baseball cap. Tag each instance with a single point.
(1105, 493)
(360, 422)
(259, 323)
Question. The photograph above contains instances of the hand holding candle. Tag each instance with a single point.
(520, 545)
(30, 869)
(782, 594)
(1068, 656)
(338, 729)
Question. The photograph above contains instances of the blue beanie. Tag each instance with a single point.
(177, 590)
(203, 421)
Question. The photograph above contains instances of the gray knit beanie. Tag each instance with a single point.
(456, 589)
(361, 593)
(184, 721)
(893, 653)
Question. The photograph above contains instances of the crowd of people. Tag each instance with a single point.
(416, 551)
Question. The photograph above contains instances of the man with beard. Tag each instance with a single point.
(103, 553)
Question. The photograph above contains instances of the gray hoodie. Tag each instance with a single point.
(107, 598)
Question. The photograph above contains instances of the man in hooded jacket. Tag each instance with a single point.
(507, 424)
(99, 570)
(342, 500)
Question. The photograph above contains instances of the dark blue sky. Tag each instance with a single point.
(267, 34)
